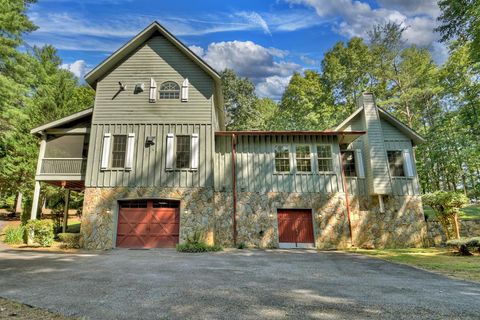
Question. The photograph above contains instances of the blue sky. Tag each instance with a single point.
(264, 40)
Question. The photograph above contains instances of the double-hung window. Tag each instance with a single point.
(395, 163)
(282, 158)
(119, 149)
(303, 159)
(324, 158)
(182, 152)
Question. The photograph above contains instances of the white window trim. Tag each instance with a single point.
(296, 145)
(289, 147)
(317, 169)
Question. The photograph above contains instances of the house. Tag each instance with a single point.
(156, 164)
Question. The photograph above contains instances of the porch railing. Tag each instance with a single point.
(68, 166)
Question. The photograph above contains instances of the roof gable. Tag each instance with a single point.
(95, 74)
(403, 128)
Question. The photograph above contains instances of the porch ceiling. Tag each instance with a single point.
(72, 185)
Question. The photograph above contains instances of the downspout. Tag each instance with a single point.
(234, 188)
(347, 199)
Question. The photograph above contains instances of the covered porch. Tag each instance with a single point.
(62, 158)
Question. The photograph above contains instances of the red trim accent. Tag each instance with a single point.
(347, 200)
(292, 133)
(234, 189)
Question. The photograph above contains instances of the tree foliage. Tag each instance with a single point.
(446, 206)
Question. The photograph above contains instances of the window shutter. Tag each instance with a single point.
(407, 163)
(153, 90)
(185, 90)
(359, 162)
(195, 151)
(130, 148)
(105, 151)
(169, 160)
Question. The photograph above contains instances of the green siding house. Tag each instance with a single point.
(156, 164)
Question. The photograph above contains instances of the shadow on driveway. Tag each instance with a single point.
(236, 284)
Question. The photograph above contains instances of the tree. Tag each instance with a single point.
(446, 206)
(460, 21)
(240, 98)
(306, 104)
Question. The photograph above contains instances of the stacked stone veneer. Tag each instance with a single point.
(100, 208)
(201, 209)
(401, 225)
(437, 237)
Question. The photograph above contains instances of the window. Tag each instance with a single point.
(282, 159)
(182, 159)
(348, 163)
(169, 90)
(118, 151)
(302, 155)
(395, 162)
(324, 157)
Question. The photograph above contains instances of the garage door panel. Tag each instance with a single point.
(144, 226)
(295, 226)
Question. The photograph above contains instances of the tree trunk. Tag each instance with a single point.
(456, 225)
(18, 203)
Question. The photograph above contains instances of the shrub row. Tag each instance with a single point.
(197, 247)
(70, 240)
(42, 231)
(465, 245)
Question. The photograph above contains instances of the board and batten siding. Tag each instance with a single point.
(148, 169)
(157, 58)
(255, 165)
(396, 140)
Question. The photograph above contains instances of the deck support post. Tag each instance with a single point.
(65, 210)
(36, 198)
(36, 192)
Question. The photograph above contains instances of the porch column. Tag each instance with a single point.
(36, 192)
(65, 211)
(36, 197)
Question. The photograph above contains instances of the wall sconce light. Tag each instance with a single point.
(149, 141)
(139, 87)
(319, 215)
(270, 215)
(186, 211)
(108, 211)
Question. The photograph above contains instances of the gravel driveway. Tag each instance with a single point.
(277, 284)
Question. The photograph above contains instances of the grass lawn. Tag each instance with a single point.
(443, 261)
(14, 310)
(469, 212)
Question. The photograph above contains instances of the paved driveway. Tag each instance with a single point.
(137, 284)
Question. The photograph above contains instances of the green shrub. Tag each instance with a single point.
(70, 240)
(14, 235)
(197, 247)
(42, 231)
(241, 245)
(465, 245)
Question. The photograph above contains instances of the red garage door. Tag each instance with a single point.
(148, 224)
(295, 228)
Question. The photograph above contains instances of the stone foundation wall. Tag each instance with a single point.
(401, 225)
(101, 204)
(201, 209)
(437, 237)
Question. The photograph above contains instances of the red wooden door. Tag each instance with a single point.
(148, 224)
(295, 226)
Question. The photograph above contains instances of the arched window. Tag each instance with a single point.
(169, 90)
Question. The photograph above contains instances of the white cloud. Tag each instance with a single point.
(248, 59)
(255, 19)
(78, 68)
(272, 87)
(355, 18)
(197, 50)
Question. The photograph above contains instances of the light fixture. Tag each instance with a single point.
(123, 87)
(139, 87)
(150, 141)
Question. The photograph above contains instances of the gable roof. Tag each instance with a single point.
(109, 63)
(76, 116)
(106, 65)
(406, 130)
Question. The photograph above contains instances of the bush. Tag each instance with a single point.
(241, 245)
(70, 240)
(197, 247)
(14, 235)
(42, 231)
(465, 245)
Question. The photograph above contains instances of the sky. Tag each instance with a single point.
(264, 40)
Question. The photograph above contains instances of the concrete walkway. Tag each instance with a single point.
(278, 284)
